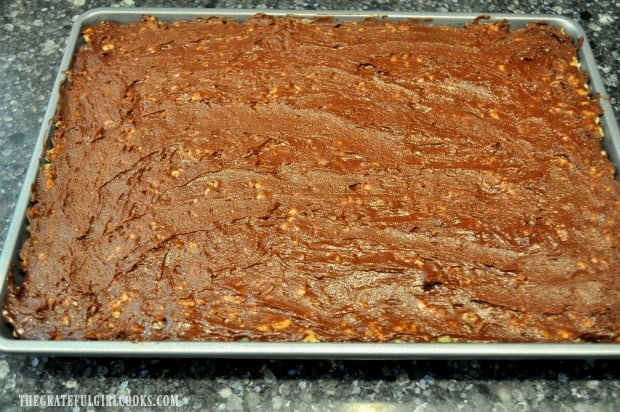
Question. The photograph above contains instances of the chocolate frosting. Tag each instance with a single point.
(284, 179)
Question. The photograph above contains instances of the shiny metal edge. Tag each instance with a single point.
(293, 350)
(324, 350)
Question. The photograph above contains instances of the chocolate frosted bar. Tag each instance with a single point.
(284, 179)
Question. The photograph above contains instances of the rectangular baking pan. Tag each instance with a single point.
(17, 232)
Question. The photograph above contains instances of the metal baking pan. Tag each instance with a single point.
(9, 260)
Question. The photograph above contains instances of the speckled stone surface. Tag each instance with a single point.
(32, 38)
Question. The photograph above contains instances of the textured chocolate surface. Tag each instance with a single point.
(295, 180)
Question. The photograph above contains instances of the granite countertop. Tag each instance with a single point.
(32, 37)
